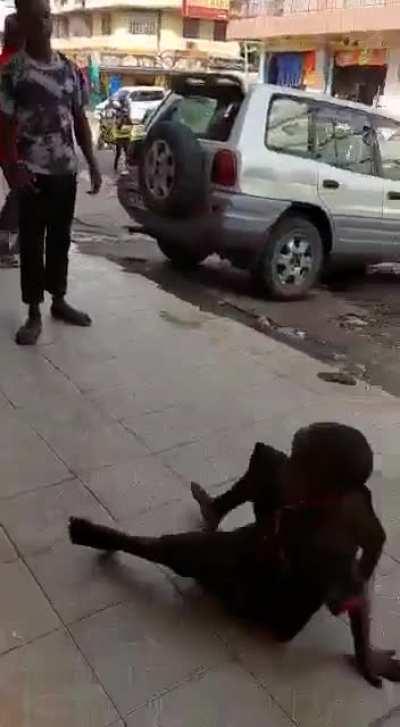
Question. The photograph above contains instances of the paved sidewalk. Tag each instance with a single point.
(112, 423)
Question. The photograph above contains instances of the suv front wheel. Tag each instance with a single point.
(292, 260)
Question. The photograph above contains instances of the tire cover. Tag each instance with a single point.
(187, 165)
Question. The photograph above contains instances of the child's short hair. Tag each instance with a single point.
(337, 455)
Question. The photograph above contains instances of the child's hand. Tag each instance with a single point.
(380, 664)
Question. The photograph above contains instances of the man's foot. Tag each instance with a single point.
(64, 312)
(29, 333)
(211, 517)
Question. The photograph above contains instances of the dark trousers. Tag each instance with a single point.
(45, 221)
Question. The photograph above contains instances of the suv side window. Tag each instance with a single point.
(289, 127)
(344, 139)
(388, 135)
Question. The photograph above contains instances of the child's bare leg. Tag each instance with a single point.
(191, 554)
(214, 509)
(258, 486)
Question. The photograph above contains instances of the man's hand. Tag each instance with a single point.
(379, 664)
(95, 179)
(20, 178)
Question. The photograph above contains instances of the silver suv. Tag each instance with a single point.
(280, 182)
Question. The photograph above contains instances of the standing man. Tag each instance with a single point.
(45, 95)
(12, 43)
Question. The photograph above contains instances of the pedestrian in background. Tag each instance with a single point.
(13, 42)
(45, 95)
(122, 133)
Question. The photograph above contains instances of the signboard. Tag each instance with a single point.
(364, 57)
(206, 9)
(170, 61)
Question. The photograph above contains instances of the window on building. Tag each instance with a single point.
(80, 25)
(106, 24)
(388, 133)
(143, 23)
(220, 30)
(344, 139)
(191, 28)
(61, 28)
(289, 127)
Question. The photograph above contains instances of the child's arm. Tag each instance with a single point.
(369, 533)
(362, 526)
(373, 664)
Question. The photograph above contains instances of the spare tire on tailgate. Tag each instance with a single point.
(172, 170)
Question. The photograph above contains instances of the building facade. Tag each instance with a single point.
(141, 41)
(347, 48)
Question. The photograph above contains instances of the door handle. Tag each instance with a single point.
(394, 196)
(330, 184)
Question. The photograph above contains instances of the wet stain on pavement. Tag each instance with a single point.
(181, 322)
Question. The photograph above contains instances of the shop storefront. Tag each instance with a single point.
(293, 69)
(360, 75)
(107, 71)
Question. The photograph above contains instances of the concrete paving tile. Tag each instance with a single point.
(386, 607)
(82, 436)
(310, 678)
(38, 520)
(226, 696)
(147, 646)
(130, 488)
(26, 462)
(29, 377)
(7, 551)
(224, 406)
(47, 683)
(174, 426)
(79, 581)
(89, 372)
(4, 403)
(25, 614)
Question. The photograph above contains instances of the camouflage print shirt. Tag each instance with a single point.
(42, 99)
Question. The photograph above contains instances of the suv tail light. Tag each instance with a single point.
(224, 168)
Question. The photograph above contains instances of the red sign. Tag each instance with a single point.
(206, 9)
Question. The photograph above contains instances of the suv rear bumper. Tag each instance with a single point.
(233, 223)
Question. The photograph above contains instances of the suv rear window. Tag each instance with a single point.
(147, 96)
(209, 110)
(289, 126)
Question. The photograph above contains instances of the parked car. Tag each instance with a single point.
(278, 181)
(140, 99)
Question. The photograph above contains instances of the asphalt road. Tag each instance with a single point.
(355, 324)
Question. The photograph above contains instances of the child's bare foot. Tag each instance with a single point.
(211, 517)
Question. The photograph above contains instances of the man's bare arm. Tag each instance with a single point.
(17, 175)
(84, 140)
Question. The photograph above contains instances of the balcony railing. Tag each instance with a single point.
(276, 8)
